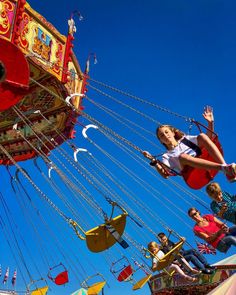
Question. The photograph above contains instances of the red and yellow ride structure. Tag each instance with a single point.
(39, 70)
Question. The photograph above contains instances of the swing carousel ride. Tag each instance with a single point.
(70, 175)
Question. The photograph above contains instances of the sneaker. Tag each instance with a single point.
(230, 172)
(207, 271)
(211, 266)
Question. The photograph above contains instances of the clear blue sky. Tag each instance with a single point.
(176, 54)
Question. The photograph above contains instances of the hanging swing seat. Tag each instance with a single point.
(122, 269)
(40, 291)
(96, 288)
(141, 282)
(125, 274)
(81, 291)
(169, 257)
(197, 178)
(99, 238)
(61, 278)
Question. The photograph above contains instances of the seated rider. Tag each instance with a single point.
(213, 231)
(190, 255)
(223, 204)
(157, 254)
(182, 150)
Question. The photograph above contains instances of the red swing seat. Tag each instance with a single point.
(61, 278)
(125, 273)
(197, 178)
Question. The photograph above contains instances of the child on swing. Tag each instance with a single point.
(181, 153)
(157, 254)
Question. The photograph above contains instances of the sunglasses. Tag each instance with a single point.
(194, 214)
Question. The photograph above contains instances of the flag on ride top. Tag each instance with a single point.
(6, 276)
(13, 280)
(204, 248)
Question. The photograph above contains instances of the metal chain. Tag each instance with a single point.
(122, 120)
(34, 185)
(140, 100)
(111, 132)
(126, 105)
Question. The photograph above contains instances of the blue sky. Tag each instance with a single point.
(176, 54)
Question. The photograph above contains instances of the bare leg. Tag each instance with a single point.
(219, 164)
(178, 270)
(185, 159)
(205, 141)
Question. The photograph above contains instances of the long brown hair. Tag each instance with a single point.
(178, 134)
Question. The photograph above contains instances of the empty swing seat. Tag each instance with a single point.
(81, 291)
(40, 291)
(96, 288)
(61, 278)
(125, 274)
(99, 238)
(141, 282)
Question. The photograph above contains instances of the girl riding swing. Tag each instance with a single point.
(185, 151)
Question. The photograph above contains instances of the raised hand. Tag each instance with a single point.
(208, 114)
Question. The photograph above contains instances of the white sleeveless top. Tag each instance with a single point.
(171, 157)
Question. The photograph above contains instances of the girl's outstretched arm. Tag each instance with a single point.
(159, 168)
(209, 117)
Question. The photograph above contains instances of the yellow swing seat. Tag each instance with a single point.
(169, 257)
(40, 291)
(99, 238)
(141, 282)
(96, 288)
